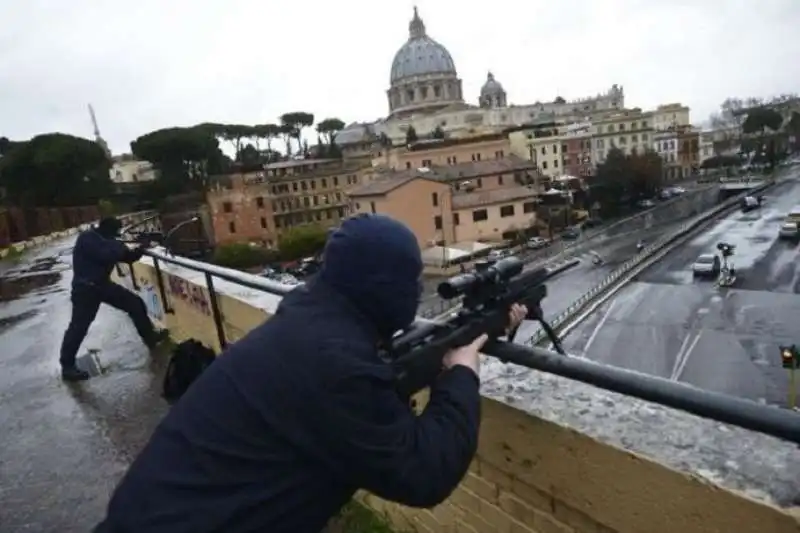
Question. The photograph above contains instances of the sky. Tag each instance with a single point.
(149, 64)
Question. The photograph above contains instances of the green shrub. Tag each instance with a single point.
(243, 255)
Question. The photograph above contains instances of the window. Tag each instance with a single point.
(335, 181)
(644, 137)
(634, 138)
(622, 127)
(437, 91)
(479, 215)
(227, 207)
(555, 148)
(633, 125)
(437, 222)
(610, 129)
(313, 184)
(564, 147)
(529, 207)
(544, 150)
(316, 201)
(264, 222)
(600, 143)
(480, 183)
(408, 164)
(435, 199)
(232, 227)
(456, 220)
(644, 124)
(426, 163)
(324, 183)
(500, 179)
(544, 165)
(555, 163)
(476, 157)
(304, 185)
(372, 207)
(260, 202)
(294, 186)
(506, 211)
(499, 154)
(623, 140)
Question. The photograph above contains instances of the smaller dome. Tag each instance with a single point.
(492, 86)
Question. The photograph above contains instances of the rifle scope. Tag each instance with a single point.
(484, 275)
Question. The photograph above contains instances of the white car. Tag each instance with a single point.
(706, 265)
(647, 204)
(496, 255)
(536, 243)
(789, 230)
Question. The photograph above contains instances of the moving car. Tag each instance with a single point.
(749, 203)
(537, 243)
(496, 255)
(789, 231)
(706, 265)
(570, 234)
(646, 204)
(591, 223)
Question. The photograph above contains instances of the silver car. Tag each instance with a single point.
(706, 265)
(789, 230)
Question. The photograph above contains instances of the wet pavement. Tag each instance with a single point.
(669, 324)
(65, 447)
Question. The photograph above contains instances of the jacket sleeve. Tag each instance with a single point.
(379, 444)
(103, 251)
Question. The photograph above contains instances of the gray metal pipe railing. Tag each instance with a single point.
(781, 423)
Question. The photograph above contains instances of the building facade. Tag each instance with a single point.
(127, 169)
(670, 116)
(665, 144)
(577, 150)
(441, 152)
(688, 151)
(630, 130)
(425, 92)
(259, 207)
(453, 204)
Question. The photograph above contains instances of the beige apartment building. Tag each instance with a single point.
(630, 130)
(455, 205)
(670, 116)
(259, 206)
(442, 152)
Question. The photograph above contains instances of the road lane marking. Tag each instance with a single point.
(599, 326)
(686, 355)
(679, 355)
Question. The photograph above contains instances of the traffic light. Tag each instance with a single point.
(790, 357)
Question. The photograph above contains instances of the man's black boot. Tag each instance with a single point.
(73, 373)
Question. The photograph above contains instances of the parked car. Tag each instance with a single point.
(665, 194)
(706, 265)
(591, 223)
(496, 255)
(570, 234)
(537, 243)
(676, 191)
(789, 231)
(748, 203)
(646, 204)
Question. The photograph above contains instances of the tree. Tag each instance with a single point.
(268, 132)
(292, 125)
(411, 135)
(437, 133)
(302, 241)
(243, 255)
(760, 119)
(328, 129)
(559, 100)
(54, 169)
(185, 157)
(234, 133)
(622, 179)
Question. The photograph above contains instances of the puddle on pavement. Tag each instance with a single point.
(7, 322)
(13, 287)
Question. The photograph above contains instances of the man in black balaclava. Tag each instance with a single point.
(96, 252)
(291, 420)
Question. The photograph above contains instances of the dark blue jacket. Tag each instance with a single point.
(94, 256)
(291, 420)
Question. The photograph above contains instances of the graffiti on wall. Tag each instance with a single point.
(189, 292)
(146, 291)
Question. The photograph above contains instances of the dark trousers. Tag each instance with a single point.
(86, 300)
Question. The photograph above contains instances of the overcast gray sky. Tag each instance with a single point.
(148, 64)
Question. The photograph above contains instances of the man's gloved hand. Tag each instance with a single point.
(136, 253)
(469, 355)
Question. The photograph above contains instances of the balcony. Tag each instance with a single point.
(556, 454)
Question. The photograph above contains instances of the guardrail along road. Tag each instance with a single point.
(668, 323)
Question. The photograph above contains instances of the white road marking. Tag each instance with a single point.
(679, 355)
(599, 326)
(686, 356)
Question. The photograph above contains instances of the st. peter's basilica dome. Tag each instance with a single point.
(423, 76)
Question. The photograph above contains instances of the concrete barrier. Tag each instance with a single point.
(573, 459)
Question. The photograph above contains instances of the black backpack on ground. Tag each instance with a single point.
(188, 361)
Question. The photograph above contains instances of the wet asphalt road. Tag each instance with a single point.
(63, 448)
(671, 325)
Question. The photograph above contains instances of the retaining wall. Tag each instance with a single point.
(554, 465)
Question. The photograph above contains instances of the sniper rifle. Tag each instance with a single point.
(488, 293)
